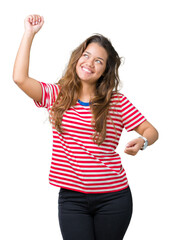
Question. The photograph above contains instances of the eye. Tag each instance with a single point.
(98, 61)
(85, 55)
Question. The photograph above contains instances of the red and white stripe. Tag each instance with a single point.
(77, 162)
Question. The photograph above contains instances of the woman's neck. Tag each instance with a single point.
(86, 93)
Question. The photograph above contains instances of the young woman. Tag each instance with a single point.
(88, 115)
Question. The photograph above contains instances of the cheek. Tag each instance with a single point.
(80, 61)
(77, 65)
(101, 70)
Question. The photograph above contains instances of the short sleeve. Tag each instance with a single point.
(131, 116)
(49, 95)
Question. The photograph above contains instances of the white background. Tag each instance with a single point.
(139, 31)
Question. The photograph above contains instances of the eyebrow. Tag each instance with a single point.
(97, 57)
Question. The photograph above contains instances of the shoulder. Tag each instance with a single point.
(51, 87)
(117, 97)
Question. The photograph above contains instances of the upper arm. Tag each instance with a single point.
(142, 127)
(131, 116)
(32, 88)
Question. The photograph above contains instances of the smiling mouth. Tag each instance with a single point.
(86, 70)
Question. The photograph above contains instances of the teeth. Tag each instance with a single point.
(86, 70)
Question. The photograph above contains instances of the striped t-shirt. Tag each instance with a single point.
(77, 162)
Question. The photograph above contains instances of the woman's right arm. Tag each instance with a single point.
(30, 86)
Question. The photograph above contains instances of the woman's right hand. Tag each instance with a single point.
(33, 23)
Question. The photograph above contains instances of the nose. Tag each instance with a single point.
(90, 62)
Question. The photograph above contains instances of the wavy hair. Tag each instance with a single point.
(70, 86)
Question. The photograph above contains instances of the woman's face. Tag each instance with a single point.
(92, 63)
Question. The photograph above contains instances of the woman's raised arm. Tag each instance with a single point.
(30, 86)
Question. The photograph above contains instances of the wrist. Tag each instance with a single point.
(145, 142)
(141, 142)
(29, 34)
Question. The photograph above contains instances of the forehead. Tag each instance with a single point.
(97, 51)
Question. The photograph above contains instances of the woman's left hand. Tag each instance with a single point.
(134, 146)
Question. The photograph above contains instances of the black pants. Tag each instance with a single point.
(101, 216)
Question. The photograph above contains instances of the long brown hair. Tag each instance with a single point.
(70, 85)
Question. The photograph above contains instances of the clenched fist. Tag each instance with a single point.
(134, 146)
(33, 23)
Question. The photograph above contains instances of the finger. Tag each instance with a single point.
(34, 20)
(41, 21)
(42, 18)
(29, 18)
(131, 143)
(37, 19)
(130, 152)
